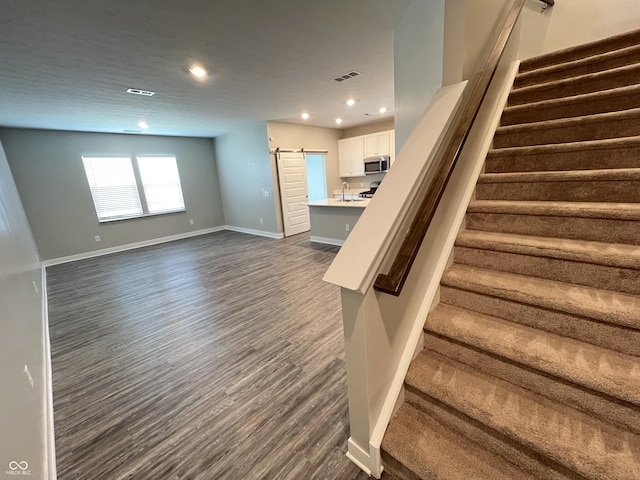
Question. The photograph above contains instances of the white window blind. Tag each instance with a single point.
(161, 183)
(113, 187)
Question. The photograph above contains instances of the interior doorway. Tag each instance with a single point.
(316, 176)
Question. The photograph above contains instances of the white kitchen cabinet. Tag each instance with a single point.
(351, 157)
(377, 144)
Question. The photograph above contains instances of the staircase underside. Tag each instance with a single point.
(531, 360)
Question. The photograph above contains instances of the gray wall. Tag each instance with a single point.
(247, 175)
(329, 222)
(22, 420)
(418, 63)
(47, 167)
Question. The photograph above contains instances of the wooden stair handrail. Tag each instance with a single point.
(393, 281)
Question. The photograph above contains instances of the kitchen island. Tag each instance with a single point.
(332, 219)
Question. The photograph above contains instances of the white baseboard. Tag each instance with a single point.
(358, 456)
(260, 233)
(50, 438)
(131, 246)
(327, 241)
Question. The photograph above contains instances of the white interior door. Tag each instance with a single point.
(292, 176)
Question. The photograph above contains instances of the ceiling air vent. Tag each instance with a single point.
(347, 76)
(137, 91)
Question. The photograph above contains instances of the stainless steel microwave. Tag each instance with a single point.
(377, 164)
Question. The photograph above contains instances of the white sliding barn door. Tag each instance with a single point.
(292, 176)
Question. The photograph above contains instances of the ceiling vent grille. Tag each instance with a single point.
(347, 76)
(137, 91)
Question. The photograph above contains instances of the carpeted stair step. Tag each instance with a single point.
(592, 82)
(598, 305)
(436, 452)
(612, 100)
(617, 186)
(623, 415)
(608, 335)
(599, 222)
(582, 66)
(565, 130)
(591, 448)
(591, 155)
(585, 50)
(599, 369)
(500, 445)
(599, 265)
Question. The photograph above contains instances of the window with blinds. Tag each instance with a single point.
(161, 184)
(121, 191)
(113, 187)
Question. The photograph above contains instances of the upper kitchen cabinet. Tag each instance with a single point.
(377, 144)
(351, 157)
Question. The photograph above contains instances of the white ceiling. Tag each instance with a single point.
(67, 64)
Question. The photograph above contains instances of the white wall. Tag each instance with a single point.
(23, 427)
(246, 174)
(418, 62)
(573, 22)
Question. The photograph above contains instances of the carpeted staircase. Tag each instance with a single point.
(531, 365)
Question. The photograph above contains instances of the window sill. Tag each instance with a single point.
(138, 217)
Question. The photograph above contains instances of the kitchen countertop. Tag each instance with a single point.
(334, 202)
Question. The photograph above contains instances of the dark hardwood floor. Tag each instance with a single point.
(216, 357)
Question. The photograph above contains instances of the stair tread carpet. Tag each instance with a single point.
(450, 455)
(563, 105)
(618, 211)
(585, 121)
(621, 414)
(610, 254)
(586, 63)
(611, 144)
(588, 365)
(584, 50)
(607, 335)
(621, 152)
(602, 175)
(587, 83)
(588, 446)
(602, 305)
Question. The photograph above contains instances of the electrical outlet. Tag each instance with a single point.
(261, 221)
(191, 221)
(346, 227)
(98, 239)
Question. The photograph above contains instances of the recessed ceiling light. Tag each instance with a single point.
(351, 102)
(382, 109)
(305, 115)
(198, 71)
(338, 121)
(143, 124)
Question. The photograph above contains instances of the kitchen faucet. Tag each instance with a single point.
(344, 184)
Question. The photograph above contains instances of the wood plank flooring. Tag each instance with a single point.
(215, 357)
